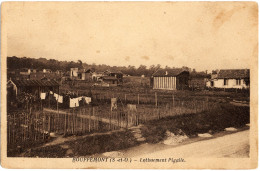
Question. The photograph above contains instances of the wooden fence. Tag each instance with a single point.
(37, 125)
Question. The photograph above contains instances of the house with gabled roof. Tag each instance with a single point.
(231, 78)
(84, 74)
(35, 87)
(173, 79)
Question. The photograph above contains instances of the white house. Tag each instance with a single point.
(231, 78)
(74, 72)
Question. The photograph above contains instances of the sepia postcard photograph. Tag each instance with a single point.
(129, 85)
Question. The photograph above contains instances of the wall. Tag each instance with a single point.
(168, 83)
(73, 72)
(182, 81)
(219, 83)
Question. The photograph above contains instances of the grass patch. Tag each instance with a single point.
(226, 115)
(103, 143)
(13, 150)
(55, 151)
(87, 146)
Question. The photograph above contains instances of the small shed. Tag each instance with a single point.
(116, 74)
(35, 87)
(85, 74)
(74, 73)
(175, 79)
(112, 81)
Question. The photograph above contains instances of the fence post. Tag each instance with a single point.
(73, 121)
(43, 125)
(41, 105)
(58, 119)
(65, 124)
(89, 122)
(172, 100)
(110, 115)
(69, 122)
(138, 98)
(156, 104)
(49, 101)
(81, 119)
(196, 106)
(127, 118)
(207, 103)
(118, 118)
(94, 118)
(8, 129)
(49, 126)
(137, 118)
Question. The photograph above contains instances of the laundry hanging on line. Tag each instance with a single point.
(56, 96)
(43, 96)
(74, 102)
(87, 99)
(60, 99)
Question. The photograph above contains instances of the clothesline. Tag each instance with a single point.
(74, 102)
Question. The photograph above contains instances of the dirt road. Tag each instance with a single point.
(231, 145)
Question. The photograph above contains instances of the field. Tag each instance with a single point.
(190, 111)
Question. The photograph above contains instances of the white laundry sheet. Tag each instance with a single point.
(87, 99)
(60, 99)
(56, 96)
(43, 96)
(74, 102)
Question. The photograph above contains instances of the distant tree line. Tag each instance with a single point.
(53, 64)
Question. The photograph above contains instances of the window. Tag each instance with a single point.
(238, 81)
(247, 82)
(212, 83)
(225, 81)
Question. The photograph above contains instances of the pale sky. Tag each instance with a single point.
(200, 35)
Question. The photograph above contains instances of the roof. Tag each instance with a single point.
(109, 78)
(234, 73)
(199, 75)
(81, 71)
(170, 73)
(35, 83)
(39, 75)
(98, 73)
(89, 71)
(113, 72)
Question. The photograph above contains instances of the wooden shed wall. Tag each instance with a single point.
(168, 83)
